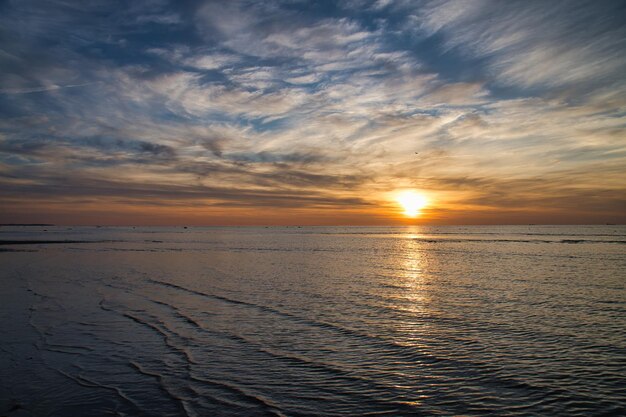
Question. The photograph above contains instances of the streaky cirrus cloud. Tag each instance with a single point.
(257, 112)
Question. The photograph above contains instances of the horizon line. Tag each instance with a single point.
(306, 225)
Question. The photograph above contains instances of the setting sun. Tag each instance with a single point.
(411, 202)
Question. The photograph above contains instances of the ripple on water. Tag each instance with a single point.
(316, 321)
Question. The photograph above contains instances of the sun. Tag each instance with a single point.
(412, 202)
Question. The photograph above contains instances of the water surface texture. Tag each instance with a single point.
(313, 321)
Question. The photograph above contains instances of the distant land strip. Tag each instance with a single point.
(37, 242)
(25, 224)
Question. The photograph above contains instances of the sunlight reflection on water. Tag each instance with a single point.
(324, 321)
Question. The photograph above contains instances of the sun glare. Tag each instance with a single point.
(411, 202)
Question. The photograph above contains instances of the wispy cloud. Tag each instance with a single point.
(38, 89)
(534, 43)
(488, 106)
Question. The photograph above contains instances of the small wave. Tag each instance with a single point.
(242, 395)
(88, 383)
(385, 347)
(574, 241)
(158, 329)
(161, 385)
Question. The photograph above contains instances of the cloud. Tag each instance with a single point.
(534, 43)
(289, 104)
(38, 89)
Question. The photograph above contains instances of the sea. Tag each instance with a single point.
(313, 321)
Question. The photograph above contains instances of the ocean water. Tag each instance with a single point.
(313, 321)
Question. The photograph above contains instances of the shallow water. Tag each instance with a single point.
(512, 321)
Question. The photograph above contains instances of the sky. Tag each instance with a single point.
(156, 112)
